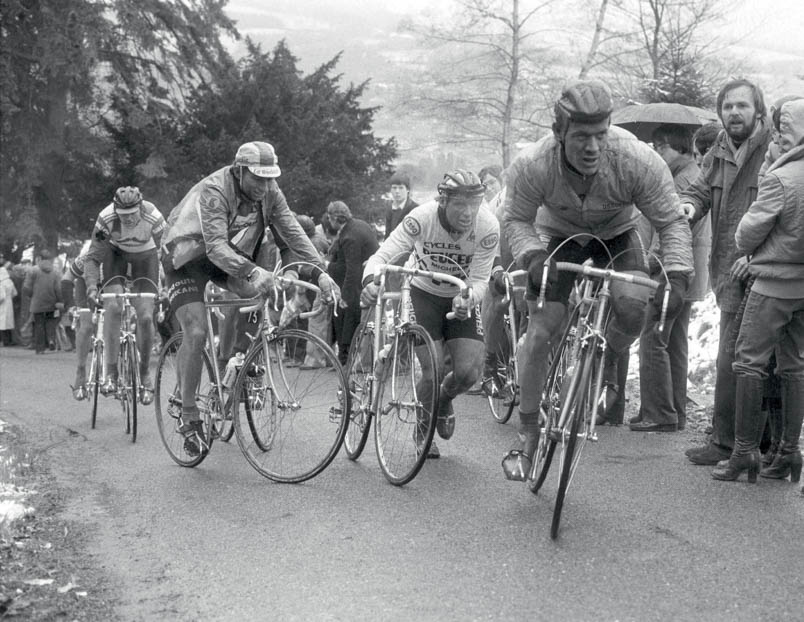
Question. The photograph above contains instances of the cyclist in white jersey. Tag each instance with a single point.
(125, 240)
(450, 234)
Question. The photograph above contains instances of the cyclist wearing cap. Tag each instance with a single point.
(215, 234)
(450, 234)
(587, 177)
(126, 238)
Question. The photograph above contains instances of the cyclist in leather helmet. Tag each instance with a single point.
(587, 177)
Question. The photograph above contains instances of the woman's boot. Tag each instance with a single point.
(776, 424)
(749, 423)
(788, 460)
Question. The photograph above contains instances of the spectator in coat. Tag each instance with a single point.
(356, 243)
(663, 356)
(401, 203)
(43, 285)
(7, 294)
(771, 233)
(725, 188)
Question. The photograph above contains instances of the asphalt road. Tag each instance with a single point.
(645, 535)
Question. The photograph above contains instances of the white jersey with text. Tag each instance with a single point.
(433, 247)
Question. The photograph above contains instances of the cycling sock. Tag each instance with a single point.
(190, 413)
(528, 420)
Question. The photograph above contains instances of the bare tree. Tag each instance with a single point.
(486, 76)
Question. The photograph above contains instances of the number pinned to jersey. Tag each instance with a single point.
(412, 225)
(490, 241)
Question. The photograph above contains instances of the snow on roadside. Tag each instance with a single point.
(13, 499)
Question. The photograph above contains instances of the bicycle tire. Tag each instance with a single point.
(127, 394)
(302, 431)
(402, 438)
(94, 379)
(168, 403)
(568, 454)
(559, 374)
(359, 369)
(504, 400)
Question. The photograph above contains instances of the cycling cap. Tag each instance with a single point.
(462, 183)
(259, 158)
(127, 200)
(584, 101)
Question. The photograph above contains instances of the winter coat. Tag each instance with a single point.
(215, 219)
(43, 285)
(356, 243)
(727, 190)
(631, 178)
(772, 230)
(7, 293)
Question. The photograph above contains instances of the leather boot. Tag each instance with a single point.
(749, 422)
(775, 423)
(788, 460)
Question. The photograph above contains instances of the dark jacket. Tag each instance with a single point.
(727, 190)
(43, 285)
(394, 216)
(355, 244)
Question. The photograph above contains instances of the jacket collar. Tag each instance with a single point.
(758, 138)
(796, 153)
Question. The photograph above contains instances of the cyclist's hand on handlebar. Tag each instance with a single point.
(369, 294)
(92, 298)
(289, 274)
(262, 280)
(497, 282)
(329, 288)
(678, 289)
(536, 266)
(461, 307)
(342, 304)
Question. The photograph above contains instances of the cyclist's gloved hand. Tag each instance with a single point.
(461, 307)
(262, 280)
(369, 294)
(498, 282)
(678, 289)
(329, 289)
(536, 270)
(92, 298)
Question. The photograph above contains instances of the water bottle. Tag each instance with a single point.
(389, 317)
(231, 370)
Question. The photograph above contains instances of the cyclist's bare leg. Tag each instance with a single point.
(227, 334)
(145, 333)
(189, 359)
(111, 328)
(467, 361)
(425, 386)
(544, 327)
(83, 338)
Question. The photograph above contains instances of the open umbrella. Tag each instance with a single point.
(642, 119)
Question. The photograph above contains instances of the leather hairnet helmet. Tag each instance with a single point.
(582, 101)
(460, 182)
(127, 200)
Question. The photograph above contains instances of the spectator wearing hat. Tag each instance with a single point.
(401, 203)
(356, 243)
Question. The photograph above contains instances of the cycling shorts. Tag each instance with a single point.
(144, 265)
(186, 284)
(626, 248)
(431, 314)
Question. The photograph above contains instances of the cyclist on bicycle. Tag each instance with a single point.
(587, 177)
(125, 240)
(450, 234)
(215, 234)
(74, 293)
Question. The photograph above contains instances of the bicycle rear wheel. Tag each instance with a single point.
(574, 434)
(168, 403)
(127, 387)
(404, 423)
(358, 377)
(503, 393)
(559, 376)
(290, 422)
(94, 379)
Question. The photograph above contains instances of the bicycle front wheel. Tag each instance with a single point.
(168, 402)
(127, 389)
(501, 389)
(290, 422)
(358, 377)
(406, 406)
(94, 379)
(574, 434)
